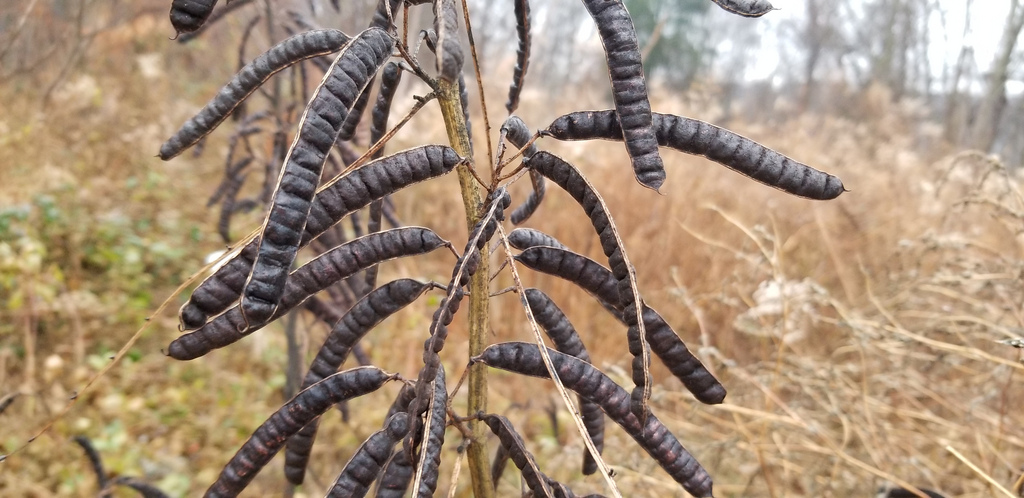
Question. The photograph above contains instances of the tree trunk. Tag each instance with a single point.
(983, 132)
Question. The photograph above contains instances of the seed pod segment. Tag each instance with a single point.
(189, 15)
(746, 8)
(327, 269)
(268, 439)
(522, 13)
(588, 381)
(599, 282)
(722, 146)
(629, 89)
(525, 238)
(425, 480)
(516, 448)
(318, 130)
(332, 203)
(366, 314)
(572, 181)
(366, 463)
(290, 51)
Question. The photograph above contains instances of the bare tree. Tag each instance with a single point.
(983, 131)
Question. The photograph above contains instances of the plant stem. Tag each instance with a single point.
(472, 199)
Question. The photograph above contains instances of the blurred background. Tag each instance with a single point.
(863, 341)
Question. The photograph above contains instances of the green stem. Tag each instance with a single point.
(479, 289)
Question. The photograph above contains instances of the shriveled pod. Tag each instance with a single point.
(599, 282)
(551, 318)
(516, 448)
(268, 439)
(588, 381)
(391, 76)
(332, 203)
(498, 464)
(326, 270)
(144, 489)
(428, 467)
(522, 13)
(515, 130)
(722, 146)
(525, 238)
(572, 181)
(290, 51)
(216, 16)
(449, 50)
(189, 15)
(94, 460)
(746, 8)
(629, 89)
(366, 463)
(282, 231)
(397, 473)
(366, 314)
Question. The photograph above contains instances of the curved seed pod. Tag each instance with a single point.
(94, 460)
(425, 481)
(231, 177)
(380, 16)
(525, 238)
(449, 50)
(366, 463)
(189, 15)
(516, 448)
(395, 478)
(522, 12)
(318, 130)
(722, 146)
(746, 8)
(369, 312)
(629, 90)
(498, 464)
(294, 49)
(144, 489)
(518, 134)
(268, 439)
(588, 381)
(327, 269)
(567, 341)
(332, 203)
(572, 181)
(217, 15)
(664, 342)
(391, 76)
(348, 128)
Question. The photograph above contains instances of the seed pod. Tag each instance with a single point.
(722, 146)
(464, 100)
(425, 481)
(366, 463)
(588, 381)
(522, 12)
(516, 448)
(664, 342)
(247, 80)
(217, 15)
(498, 464)
(629, 90)
(94, 460)
(572, 181)
(449, 50)
(395, 478)
(380, 16)
(318, 130)
(143, 488)
(348, 128)
(567, 341)
(326, 270)
(525, 238)
(189, 15)
(391, 76)
(268, 439)
(332, 203)
(746, 8)
(518, 134)
(369, 312)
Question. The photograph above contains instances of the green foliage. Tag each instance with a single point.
(681, 46)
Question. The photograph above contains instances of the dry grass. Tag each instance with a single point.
(858, 338)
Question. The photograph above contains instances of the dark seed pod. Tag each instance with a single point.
(395, 478)
(315, 276)
(318, 130)
(629, 89)
(94, 460)
(380, 16)
(722, 146)
(572, 181)
(588, 381)
(348, 128)
(522, 12)
(268, 439)
(525, 238)
(249, 78)
(664, 342)
(449, 50)
(217, 15)
(189, 15)
(516, 448)
(366, 463)
(332, 203)
(567, 341)
(369, 312)
(746, 8)
(391, 76)
(518, 134)
(425, 481)
(498, 464)
(144, 489)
